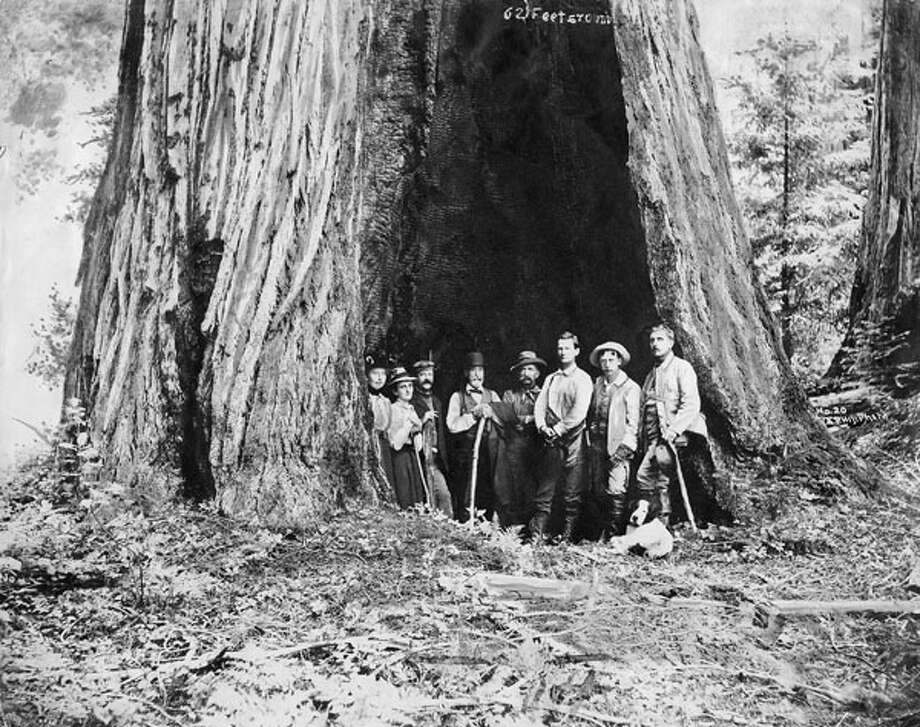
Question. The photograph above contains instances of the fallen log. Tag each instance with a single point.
(822, 608)
(913, 580)
(772, 614)
(504, 586)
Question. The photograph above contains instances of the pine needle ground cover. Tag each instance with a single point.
(116, 613)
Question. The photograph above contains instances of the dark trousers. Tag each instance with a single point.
(563, 475)
(461, 474)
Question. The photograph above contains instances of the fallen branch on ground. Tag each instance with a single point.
(448, 704)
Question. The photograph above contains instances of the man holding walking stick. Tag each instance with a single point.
(434, 440)
(467, 409)
(670, 407)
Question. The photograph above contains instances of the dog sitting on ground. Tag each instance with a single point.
(645, 533)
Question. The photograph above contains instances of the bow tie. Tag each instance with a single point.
(473, 390)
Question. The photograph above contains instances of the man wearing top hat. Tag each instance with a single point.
(559, 414)
(466, 409)
(404, 436)
(520, 449)
(434, 440)
(613, 428)
(670, 407)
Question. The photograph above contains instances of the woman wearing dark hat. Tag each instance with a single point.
(520, 449)
(613, 427)
(376, 371)
(404, 435)
(465, 409)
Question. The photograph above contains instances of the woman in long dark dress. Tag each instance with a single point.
(404, 435)
(380, 408)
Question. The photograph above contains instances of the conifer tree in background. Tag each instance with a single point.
(882, 345)
(800, 158)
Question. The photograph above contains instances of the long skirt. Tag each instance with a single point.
(407, 478)
(385, 455)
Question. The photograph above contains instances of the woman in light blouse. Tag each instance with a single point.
(404, 436)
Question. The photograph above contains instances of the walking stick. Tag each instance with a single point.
(684, 495)
(476, 443)
(425, 485)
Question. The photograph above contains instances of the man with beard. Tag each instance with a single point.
(520, 449)
(670, 408)
(434, 441)
(465, 410)
(613, 427)
(559, 414)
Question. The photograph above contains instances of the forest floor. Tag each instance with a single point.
(117, 614)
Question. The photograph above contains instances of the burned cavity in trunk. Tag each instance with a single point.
(525, 220)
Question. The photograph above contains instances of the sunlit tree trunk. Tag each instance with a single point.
(884, 337)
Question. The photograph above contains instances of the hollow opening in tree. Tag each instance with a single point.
(524, 221)
(524, 216)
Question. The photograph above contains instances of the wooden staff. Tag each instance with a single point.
(476, 443)
(421, 473)
(684, 495)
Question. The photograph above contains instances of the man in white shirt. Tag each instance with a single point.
(559, 414)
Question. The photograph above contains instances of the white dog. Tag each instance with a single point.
(651, 537)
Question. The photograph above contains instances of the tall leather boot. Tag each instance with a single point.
(664, 497)
(568, 529)
(616, 518)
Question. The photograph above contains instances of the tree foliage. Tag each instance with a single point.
(46, 47)
(800, 158)
(53, 334)
(85, 177)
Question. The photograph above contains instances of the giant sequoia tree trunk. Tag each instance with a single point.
(885, 303)
(292, 181)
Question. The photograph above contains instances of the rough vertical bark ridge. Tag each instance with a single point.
(291, 181)
(885, 303)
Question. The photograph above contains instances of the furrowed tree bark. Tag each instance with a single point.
(884, 335)
(220, 310)
(292, 181)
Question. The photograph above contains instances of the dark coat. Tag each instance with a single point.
(421, 407)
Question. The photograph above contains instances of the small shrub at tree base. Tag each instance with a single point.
(53, 334)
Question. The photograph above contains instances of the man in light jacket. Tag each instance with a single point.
(559, 414)
(613, 428)
(670, 408)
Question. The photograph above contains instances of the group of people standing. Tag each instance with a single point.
(531, 454)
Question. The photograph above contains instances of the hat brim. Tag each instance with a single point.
(618, 348)
(528, 362)
(402, 380)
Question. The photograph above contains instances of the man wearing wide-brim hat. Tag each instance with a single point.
(520, 451)
(468, 406)
(613, 428)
